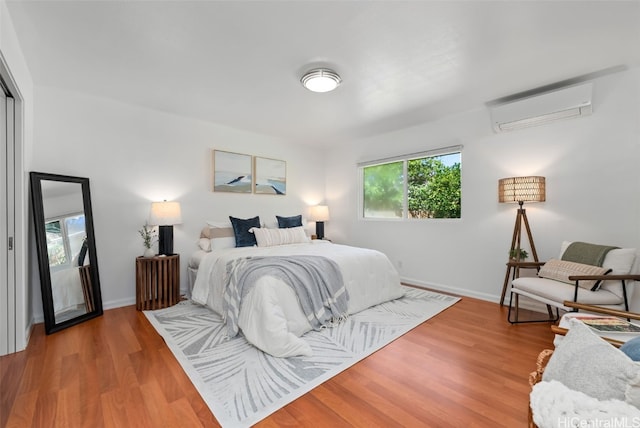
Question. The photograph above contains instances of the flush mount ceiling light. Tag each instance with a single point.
(321, 80)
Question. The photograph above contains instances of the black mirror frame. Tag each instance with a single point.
(43, 257)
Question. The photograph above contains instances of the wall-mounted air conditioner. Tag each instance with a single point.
(538, 109)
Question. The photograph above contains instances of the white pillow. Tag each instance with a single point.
(225, 242)
(219, 224)
(584, 362)
(561, 270)
(204, 244)
(220, 235)
(270, 237)
(207, 245)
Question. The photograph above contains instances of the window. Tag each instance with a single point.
(65, 236)
(418, 186)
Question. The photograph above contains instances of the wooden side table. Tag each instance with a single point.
(157, 282)
(516, 265)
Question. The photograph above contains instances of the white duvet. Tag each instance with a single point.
(270, 315)
(66, 289)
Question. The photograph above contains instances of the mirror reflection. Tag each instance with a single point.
(66, 251)
(65, 229)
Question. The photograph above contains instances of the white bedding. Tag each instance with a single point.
(270, 315)
(196, 258)
(66, 289)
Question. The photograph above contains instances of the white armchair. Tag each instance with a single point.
(609, 286)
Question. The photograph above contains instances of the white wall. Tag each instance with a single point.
(134, 156)
(592, 168)
(21, 86)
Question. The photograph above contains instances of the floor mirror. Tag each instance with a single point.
(66, 249)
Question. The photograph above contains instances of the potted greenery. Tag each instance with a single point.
(518, 254)
(148, 238)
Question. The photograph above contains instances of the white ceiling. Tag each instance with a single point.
(238, 63)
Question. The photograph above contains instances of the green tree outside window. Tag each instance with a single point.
(383, 190)
(433, 188)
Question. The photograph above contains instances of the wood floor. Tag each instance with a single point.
(466, 367)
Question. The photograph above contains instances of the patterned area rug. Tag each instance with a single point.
(242, 385)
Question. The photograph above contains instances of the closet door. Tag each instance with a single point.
(7, 226)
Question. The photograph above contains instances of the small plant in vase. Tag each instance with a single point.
(148, 238)
(518, 254)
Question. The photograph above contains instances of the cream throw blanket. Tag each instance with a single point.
(554, 405)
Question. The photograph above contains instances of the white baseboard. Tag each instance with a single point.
(112, 304)
(27, 335)
(524, 302)
(449, 289)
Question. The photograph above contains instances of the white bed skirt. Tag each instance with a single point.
(191, 278)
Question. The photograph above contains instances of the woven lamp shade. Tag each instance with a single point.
(522, 189)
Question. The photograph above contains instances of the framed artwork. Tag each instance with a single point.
(231, 172)
(271, 176)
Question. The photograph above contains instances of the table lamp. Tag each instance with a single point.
(165, 215)
(319, 214)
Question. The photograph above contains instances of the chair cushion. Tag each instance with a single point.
(561, 270)
(559, 291)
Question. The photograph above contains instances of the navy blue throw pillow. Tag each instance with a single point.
(287, 222)
(241, 227)
(632, 348)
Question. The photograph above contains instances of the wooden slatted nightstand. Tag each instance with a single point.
(157, 282)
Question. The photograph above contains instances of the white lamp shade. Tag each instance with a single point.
(319, 213)
(165, 213)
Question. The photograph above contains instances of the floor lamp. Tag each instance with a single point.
(520, 190)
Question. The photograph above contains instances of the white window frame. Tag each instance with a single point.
(405, 201)
(64, 231)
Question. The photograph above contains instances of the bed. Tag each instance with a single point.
(71, 285)
(66, 289)
(270, 315)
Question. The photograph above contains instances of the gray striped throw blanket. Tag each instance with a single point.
(316, 280)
